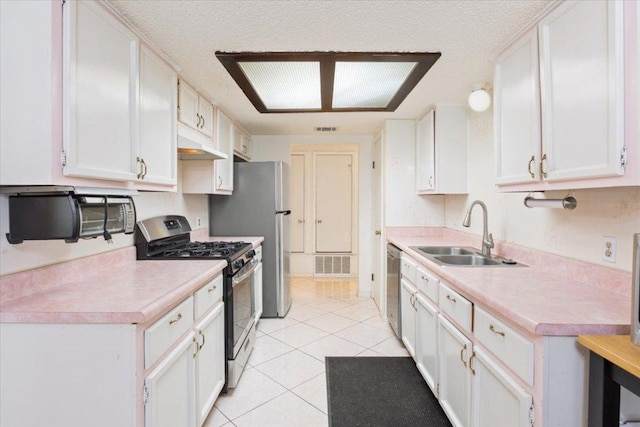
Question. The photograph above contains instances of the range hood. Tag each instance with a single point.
(194, 146)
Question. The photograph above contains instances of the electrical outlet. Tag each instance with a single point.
(609, 249)
(198, 221)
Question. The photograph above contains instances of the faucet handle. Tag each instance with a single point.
(489, 241)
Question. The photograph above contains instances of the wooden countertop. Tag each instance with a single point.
(618, 349)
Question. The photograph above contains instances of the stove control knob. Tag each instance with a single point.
(238, 264)
(251, 253)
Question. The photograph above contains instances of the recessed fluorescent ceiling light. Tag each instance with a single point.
(288, 82)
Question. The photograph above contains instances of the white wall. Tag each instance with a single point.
(576, 234)
(273, 147)
(37, 253)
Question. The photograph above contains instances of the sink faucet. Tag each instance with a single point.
(487, 238)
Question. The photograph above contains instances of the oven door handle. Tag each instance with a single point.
(253, 263)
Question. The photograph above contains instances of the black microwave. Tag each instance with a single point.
(69, 217)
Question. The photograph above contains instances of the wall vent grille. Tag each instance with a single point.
(326, 129)
(333, 265)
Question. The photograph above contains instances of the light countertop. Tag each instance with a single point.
(537, 298)
(108, 288)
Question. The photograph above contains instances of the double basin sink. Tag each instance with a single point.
(463, 257)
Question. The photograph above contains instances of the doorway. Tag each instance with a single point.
(324, 200)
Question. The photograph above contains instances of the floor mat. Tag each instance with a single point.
(380, 391)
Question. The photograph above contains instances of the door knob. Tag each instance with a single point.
(378, 232)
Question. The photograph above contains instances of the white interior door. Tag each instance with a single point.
(297, 202)
(378, 255)
(334, 200)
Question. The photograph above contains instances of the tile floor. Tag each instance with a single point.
(284, 384)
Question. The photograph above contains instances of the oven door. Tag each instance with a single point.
(243, 309)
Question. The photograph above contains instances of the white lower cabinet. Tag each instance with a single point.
(183, 386)
(209, 361)
(170, 389)
(454, 352)
(426, 345)
(498, 401)
(408, 316)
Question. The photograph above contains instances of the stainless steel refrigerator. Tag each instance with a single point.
(259, 206)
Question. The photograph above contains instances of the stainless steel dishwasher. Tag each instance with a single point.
(393, 288)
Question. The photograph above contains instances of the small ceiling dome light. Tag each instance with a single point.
(479, 99)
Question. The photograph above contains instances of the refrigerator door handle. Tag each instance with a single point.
(283, 212)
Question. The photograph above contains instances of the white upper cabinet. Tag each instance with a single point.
(157, 119)
(119, 102)
(209, 176)
(559, 105)
(224, 142)
(194, 110)
(582, 63)
(241, 143)
(441, 151)
(100, 100)
(517, 112)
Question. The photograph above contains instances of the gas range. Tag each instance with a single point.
(169, 238)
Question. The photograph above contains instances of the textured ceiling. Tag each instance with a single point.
(467, 32)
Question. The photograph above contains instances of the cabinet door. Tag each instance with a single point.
(188, 105)
(210, 361)
(237, 140)
(224, 142)
(246, 145)
(425, 154)
(205, 110)
(517, 112)
(498, 401)
(454, 350)
(427, 342)
(100, 94)
(408, 315)
(257, 290)
(157, 116)
(582, 64)
(170, 389)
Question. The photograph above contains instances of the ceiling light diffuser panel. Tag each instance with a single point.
(294, 82)
(368, 84)
(285, 85)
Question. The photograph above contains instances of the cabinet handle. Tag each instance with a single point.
(212, 289)
(144, 165)
(139, 161)
(450, 298)
(300, 221)
(542, 172)
(378, 232)
(203, 122)
(431, 181)
(495, 331)
(533, 175)
(219, 181)
(177, 319)
(319, 221)
(473, 371)
(199, 119)
(203, 340)
(462, 350)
